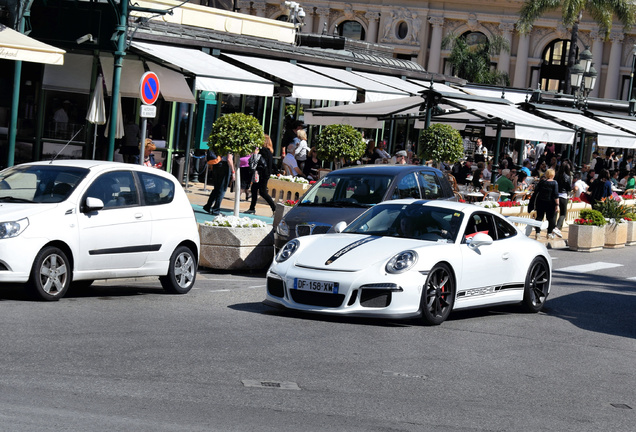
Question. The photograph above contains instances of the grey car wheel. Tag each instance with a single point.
(50, 275)
(181, 273)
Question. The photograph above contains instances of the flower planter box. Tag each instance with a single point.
(511, 211)
(279, 214)
(631, 233)
(281, 190)
(226, 248)
(586, 238)
(615, 235)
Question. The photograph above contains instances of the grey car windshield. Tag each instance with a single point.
(348, 190)
(39, 183)
(416, 221)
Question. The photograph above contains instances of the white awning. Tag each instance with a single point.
(373, 90)
(305, 83)
(364, 114)
(17, 46)
(512, 96)
(212, 74)
(526, 126)
(131, 73)
(392, 81)
(74, 76)
(607, 136)
(436, 86)
(173, 86)
(626, 124)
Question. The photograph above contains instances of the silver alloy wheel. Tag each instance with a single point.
(184, 269)
(53, 274)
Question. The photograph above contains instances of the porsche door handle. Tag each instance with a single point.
(505, 256)
(139, 215)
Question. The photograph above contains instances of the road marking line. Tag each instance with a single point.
(634, 278)
(587, 268)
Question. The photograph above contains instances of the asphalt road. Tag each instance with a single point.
(124, 356)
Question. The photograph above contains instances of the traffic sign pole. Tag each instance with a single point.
(149, 93)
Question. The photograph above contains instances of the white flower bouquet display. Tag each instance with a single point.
(236, 222)
(291, 179)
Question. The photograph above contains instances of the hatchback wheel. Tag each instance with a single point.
(438, 295)
(182, 271)
(50, 275)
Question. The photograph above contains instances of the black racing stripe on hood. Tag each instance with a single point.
(348, 248)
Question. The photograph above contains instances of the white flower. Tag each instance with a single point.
(236, 222)
(291, 179)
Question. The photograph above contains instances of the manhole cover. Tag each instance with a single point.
(280, 385)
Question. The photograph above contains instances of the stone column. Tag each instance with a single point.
(614, 66)
(260, 8)
(504, 56)
(244, 6)
(521, 68)
(597, 59)
(434, 56)
(323, 18)
(372, 33)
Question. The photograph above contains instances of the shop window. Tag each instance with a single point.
(351, 30)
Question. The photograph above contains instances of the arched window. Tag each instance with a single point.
(474, 38)
(284, 18)
(351, 30)
(554, 67)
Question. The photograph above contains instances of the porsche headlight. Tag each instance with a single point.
(13, 229)
(401, 262)
(287, 250)
(282, 229)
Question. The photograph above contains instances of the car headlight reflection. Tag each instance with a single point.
(13, 228)
(282, 229)
(402, 262)
(287, 250)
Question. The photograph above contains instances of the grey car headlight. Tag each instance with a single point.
(401, 262)
(287, 250)
(13, 228)
(282, 229)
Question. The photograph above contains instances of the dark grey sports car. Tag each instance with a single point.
(344, 194)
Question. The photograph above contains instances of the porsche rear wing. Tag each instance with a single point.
(529, 222)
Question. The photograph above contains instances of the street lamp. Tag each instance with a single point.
(583, 78)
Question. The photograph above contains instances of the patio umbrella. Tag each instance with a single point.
(119, 130)
(97, 110)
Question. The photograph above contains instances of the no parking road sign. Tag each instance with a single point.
(149, 88)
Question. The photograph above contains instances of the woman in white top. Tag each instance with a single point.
(301, 148)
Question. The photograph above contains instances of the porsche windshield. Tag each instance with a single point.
(39, 183)
(415, 220)
(348, 190)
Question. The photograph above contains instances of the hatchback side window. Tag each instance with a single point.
(430, 186)
(407, 188)
(115, 189)
(155, 189)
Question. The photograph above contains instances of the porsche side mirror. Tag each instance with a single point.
(339, 227)
(93, 204)
(480, 239)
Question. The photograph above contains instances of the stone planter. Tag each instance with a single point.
(279, 214)
(225, 248)
(281, 190)
(586, 238)
(631, 233)
(511, 211)
(615, 235)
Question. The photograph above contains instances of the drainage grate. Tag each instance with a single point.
(621, 406)
(281, 385)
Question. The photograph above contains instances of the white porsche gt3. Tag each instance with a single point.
(412, 258)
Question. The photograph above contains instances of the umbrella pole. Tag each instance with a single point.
(94, 139)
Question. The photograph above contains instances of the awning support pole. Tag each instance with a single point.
(581, 149)
(495, 165)
(15, 103)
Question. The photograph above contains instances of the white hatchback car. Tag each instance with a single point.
(73, 221)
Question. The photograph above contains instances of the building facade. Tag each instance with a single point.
(416, 30)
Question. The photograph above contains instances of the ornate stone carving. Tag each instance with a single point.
(244, 6)
(562, 32)
(472, 23)
(322, 12)
(400, 17)
(617, 37)
(436, 21)
(260, 8)
(507, 27)
(348, 12)
(371, 16)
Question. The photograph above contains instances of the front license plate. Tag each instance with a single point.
(316, 286)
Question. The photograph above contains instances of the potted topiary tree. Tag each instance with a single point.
(587, 233)
(616, 230)
(338, 143)
(239, 134)
(233, 242)
(441, 143)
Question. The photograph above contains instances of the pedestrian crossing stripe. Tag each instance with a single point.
(588, 268)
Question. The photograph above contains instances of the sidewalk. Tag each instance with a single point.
(198, 198)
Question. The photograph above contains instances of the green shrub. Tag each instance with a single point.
(340, 141)
(441, 143)
(236, 133)
(595, 216)
(610, 208)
